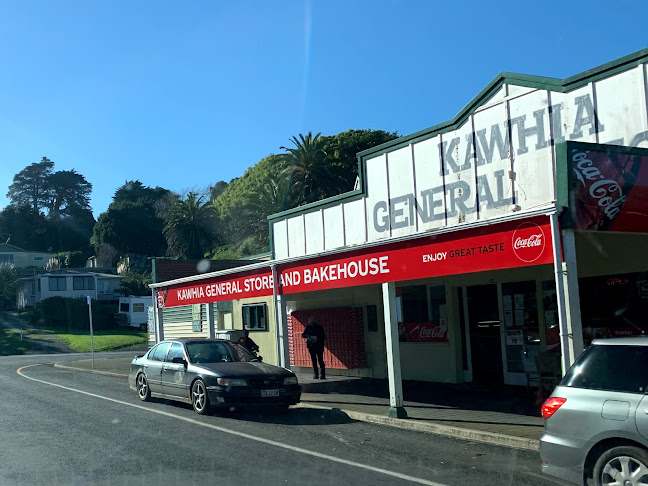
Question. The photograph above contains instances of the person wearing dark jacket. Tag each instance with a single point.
(249, 344)
(315, 336)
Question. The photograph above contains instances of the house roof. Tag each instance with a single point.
(7, 248)
(78, 273)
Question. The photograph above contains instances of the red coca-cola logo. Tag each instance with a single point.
(431, 332)
(528, 242)
(161, 298)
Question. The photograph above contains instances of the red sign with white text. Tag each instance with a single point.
(216, 289)
(496, 247)
(506, 245)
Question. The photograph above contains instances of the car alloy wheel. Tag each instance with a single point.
(199, 398)
(623, 466)
(143, 390)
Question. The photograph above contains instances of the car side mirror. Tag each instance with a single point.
(179, 360)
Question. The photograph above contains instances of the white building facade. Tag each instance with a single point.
(472, 249)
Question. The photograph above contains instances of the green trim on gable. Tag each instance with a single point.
(524, 80)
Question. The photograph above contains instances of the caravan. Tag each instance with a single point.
(133, 311)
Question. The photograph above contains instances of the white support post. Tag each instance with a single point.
(396, 409)
(560, 294)
(572, 297)
(282, 331)
(281, 322)
(155, 317)
(211, 328)
(159, 324)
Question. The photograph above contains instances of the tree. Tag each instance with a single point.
(67, 189)
(217, 189)
(253, 213)
(310, 178)
(191, 228)
(8, 281)
(133, 223)
(30, 186)
(134, 191)
(135, 283)
(342, 150)
(130, 227)
(24, 228)
(38, 186)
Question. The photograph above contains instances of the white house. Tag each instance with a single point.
(23, 258)
(67, 283)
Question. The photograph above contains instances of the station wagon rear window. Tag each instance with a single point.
(614, 368)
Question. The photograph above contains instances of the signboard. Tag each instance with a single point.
(506, 245)
(607, 188)
(216, 290)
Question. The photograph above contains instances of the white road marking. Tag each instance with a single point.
(238, 434)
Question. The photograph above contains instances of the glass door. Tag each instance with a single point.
(521, 331)
(485, 335)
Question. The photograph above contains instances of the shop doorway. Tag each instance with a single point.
(485, 335)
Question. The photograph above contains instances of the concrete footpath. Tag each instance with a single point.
(506, 418)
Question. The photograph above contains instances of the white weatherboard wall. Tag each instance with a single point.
(500, 161)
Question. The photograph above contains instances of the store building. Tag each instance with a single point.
(516, 229)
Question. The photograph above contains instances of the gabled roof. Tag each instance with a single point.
(7, 248)
(524, 80)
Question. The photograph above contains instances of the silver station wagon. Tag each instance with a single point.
(596, 420)
(211, 373)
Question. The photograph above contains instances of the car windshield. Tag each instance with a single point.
(216, 352)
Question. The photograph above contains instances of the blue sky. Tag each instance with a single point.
(184, 94)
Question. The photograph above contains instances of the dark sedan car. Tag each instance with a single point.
(211, 372)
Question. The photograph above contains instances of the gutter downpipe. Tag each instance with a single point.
(277, 316)
(559, 273)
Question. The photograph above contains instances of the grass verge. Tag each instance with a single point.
(110, 340)
(11, 344)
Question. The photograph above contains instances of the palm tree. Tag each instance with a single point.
(309, 176)
(271, 198)
(190, 227)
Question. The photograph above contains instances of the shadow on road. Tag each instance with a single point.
(268, 415)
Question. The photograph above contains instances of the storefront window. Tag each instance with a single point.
(613, 305)
(550, 309)
(521, 325)
(422, 314)
(254, 317)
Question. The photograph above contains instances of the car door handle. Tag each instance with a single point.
(166, 369)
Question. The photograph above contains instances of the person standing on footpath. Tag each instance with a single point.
(315, 336)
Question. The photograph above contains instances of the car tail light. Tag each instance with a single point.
(551, 405)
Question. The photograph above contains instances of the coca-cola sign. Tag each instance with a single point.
(608, 188)
(423, 332)
(529, 242)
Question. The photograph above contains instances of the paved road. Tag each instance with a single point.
(92, 429)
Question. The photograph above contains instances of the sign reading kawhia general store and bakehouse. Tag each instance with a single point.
(506, 245)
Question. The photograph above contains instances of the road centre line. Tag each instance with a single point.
(238, 434)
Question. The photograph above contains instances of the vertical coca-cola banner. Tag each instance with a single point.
(607, 187)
